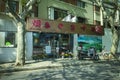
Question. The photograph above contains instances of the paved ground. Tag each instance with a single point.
(62, 70)
(41, 64)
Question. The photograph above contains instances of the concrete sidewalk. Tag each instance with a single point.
(42, 64)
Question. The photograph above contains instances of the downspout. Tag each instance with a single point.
(94, 15)
(101, 17)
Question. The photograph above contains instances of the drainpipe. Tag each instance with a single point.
(94, 14)
(101, 17)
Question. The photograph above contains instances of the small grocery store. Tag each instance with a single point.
(52, 38)
(44, 38)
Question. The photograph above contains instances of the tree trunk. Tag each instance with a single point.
(115, 42)
(75, 46)
(23, 12)
(20, 58)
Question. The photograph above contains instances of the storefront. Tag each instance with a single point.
(51, 45)
(54, 38)
(7, 39)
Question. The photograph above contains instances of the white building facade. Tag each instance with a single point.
(84, 11)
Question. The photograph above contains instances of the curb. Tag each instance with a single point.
(26, 69)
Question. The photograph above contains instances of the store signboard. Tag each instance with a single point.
(41, 25)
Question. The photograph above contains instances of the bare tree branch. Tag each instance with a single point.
(27, 8)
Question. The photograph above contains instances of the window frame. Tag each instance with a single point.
(97, 22)
(14, 43)
(97, 8)
(51, 13)
(81, 4)
(61, 12)
(81, 20)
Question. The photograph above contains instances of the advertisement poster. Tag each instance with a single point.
(48, 49)
(87, 41)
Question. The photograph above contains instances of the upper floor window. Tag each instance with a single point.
(2, 6)
(81, 20)
(73, 2)
(97, 8)
(80, 3)
(59, 13)
(97, 22)
(13, 5)
(62, 0)
(35, 10)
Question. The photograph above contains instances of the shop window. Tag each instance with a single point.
(7, 39)
(50, 44)
(80, 3)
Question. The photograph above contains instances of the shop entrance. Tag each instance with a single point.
(50, 45)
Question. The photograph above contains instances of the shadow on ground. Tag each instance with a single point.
(98, 70)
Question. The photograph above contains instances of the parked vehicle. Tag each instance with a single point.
(84, 54)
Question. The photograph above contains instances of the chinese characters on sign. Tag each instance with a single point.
(36, 23)
(72, 27)
(41, 25)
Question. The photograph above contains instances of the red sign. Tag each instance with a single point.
(60, 25)
(36, 22)
(47, 25)
(93, 29)
(98, 29)
(41, 25)
(83, 27)
(72, 27)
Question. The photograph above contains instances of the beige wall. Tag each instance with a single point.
(89, 12)
(74, 10)
(107, 40)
